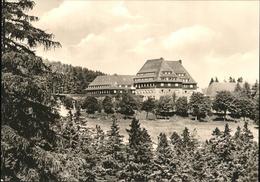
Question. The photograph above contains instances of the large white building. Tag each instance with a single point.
(159, 77)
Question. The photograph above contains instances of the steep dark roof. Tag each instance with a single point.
(155, 68)
(179, 68)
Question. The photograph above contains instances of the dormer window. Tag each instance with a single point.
(181, 74)
(167, 72)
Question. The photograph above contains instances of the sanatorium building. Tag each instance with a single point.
(156, 78)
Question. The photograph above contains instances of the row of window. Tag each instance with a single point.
(103, 86)
(107, 92)
(163, 91)
(188, 86)
(146, 73)
(164, 72)
(142, 85)
(145, 85)
(144, 79)
(170, 84)
(126, 86)
(181, 74)
(185, 80)
(167, 72)
(168, 78)
(98, 86)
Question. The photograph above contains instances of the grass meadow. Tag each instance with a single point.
(201, 130)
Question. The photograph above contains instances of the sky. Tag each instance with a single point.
(212, 38)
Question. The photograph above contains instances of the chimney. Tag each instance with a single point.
(180, 61)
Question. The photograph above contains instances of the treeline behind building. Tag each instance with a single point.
(68, 79)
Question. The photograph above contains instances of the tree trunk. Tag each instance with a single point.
(146, 115)
(225, 112)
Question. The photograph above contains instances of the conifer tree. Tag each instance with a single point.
(246, 90)
(255, 89)
(240, 80)
(115, 140)
(256, 111)
(139, 153)
(246, 134)
(211, 81)
(227, 130)
(164, 167)
(113, 158)
(238, 88)
(237, 134)
(199, 167)
(27, 105)
(175, 138)
(216, 132)
(230, 79)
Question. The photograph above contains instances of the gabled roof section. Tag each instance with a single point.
(152, 65)
(166, 68)
(179, 69)
(215, 87)
(158, 68)
(113, 80)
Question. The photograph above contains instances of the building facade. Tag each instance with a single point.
(159, 77)
(111, 85)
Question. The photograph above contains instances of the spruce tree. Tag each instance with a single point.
(211, 81)
(163, 166)
(237, 134)
(139, 153)
(175, 138)
(227, 130)
(238, 88)
(216, 132)
(256, 111)
(247, 135)
(115, 140)
(246, 90)
(27, 105)
(114, 155)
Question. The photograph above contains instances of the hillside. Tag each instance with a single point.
(70, 79)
